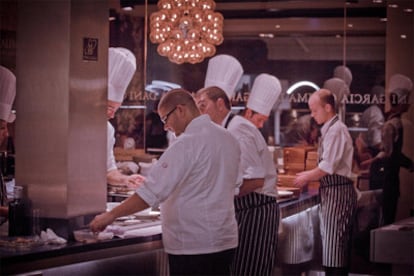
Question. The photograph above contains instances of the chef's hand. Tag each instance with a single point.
(135, 180)
(301, 179)
(99, 223)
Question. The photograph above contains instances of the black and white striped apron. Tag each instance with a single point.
(338, 206)
(3, 192)
(3, 196)
(258, 220)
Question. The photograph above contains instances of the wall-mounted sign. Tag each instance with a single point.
(90, 49)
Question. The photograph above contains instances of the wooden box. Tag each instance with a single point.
(285, 180)
(311, 164)
(312, 155)
(294, 155)
(293, 168)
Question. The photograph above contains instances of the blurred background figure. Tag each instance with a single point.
(367, 144)
(344, 73)
(7, 95)
(340, 90)
(302, 132)
(373, 119)
(391, 156)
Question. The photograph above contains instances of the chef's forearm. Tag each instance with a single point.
(131, 205)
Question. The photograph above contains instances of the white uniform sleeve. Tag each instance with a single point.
(164, 176)
(110, 159)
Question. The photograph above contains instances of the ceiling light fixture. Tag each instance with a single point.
(112, 15)
(127, 5)
(186, 30)
(266, 35)
(299, 84)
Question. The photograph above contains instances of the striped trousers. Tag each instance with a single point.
(258, 220)
(337, 214)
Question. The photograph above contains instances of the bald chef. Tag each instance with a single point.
(337, 194)
(121, 69)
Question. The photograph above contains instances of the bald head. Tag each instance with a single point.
(325, 96)
(322, 105)
(176, 97)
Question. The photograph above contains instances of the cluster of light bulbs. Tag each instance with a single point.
(186, 30)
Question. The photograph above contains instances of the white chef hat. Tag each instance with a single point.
(342, 72)
(338, 87)
(121, 69)
(225, 72)
(401, 85)
(7, 94)
(265, 92)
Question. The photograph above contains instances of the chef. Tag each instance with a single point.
(337, 194)
(7, 95)
(193, 182)
(257, 211)
(121, 69)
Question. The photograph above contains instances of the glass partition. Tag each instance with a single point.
(294, 42)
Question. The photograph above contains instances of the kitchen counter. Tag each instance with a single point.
(148, 247)
(21, 260)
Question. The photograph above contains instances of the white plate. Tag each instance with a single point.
(284, 193)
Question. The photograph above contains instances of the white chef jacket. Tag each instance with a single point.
(110, 158)
(194, 180)
(256, 159)
(337, 149)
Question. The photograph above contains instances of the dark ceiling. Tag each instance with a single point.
(304, 8)
(250, 18)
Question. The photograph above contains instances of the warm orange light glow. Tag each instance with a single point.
(186, 30)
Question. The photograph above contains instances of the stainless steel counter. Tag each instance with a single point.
(146, 250)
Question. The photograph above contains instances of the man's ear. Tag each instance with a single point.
(180, 109)
(220, 103)
(328, 108)
(248, 113)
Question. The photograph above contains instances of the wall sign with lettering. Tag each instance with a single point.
(90, 49)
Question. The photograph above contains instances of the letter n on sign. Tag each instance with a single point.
(90, 49)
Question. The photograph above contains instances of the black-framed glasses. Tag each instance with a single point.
(165, 118)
